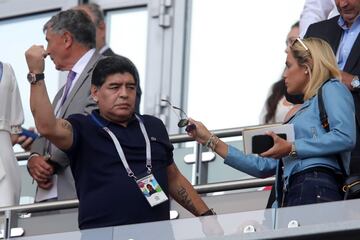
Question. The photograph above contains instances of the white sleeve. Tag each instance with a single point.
(315, 11)
(16, 109)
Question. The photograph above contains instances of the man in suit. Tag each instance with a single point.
(71, 46)
(342, 33)
(97, 16)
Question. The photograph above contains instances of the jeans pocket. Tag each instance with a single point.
(294, 195)
(327, 193)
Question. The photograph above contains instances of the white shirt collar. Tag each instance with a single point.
(82, 62)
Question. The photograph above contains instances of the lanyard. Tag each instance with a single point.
(120, 150)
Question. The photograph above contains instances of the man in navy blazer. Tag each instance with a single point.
(342, 33)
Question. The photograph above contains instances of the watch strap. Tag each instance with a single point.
(208, 213)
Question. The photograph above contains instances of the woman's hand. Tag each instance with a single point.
(200, 133)
(280, 149)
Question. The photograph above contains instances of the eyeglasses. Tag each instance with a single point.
(183, 120)
(302, 43)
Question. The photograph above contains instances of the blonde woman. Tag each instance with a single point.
(309, 163)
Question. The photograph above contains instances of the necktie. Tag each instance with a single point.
(69, 80)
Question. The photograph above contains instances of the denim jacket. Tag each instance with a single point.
(314, 146)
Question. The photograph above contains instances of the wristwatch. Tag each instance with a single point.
(355, 83)
(293, 152)
(208, 213)
(34, 78)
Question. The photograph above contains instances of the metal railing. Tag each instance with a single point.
(175, 138)
(200, 188)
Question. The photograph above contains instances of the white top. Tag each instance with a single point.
(11, 118)
(281, 110)
(316, 11)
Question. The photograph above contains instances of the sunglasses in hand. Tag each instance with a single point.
(183, 120)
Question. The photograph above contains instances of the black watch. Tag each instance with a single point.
(33, 78)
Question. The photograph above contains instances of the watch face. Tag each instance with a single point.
(355, 83)
(31, 77)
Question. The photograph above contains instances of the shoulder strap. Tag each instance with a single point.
(322, 110)
(325, 123)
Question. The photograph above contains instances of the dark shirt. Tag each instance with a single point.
(107, 195)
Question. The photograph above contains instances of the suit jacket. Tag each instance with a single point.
(78, 101)
(109, 52)
(330, 31)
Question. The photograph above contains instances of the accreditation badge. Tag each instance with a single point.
(151, 190)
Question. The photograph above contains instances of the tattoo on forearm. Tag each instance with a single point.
(185, 200)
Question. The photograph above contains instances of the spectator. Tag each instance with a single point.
(276, 106)
(71, 46)
(97, 16)
(113, 146)
(342, 33)
(306, 168)
(316, 11)
(11, 118)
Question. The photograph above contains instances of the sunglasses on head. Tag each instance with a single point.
(183, 120)
(301, 42)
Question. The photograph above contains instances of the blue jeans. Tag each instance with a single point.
(312, 186)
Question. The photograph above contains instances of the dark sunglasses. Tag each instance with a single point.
(183, 121)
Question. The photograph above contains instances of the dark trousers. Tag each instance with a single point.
(315, 185)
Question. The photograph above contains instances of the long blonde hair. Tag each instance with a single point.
(319, 60)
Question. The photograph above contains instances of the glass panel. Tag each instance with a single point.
(219, 172)
(313, 214)
(201, 228)
(17, 35)
(28, 186)
(179, 157)
(216, 169)
(329, 219)
(236, 53)
(127, 30)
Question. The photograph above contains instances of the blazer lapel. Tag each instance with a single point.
(58, 97)
(354, 56)
(86, 73)
(335, 32)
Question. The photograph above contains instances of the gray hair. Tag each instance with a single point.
(96, 11)
(75, 22)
